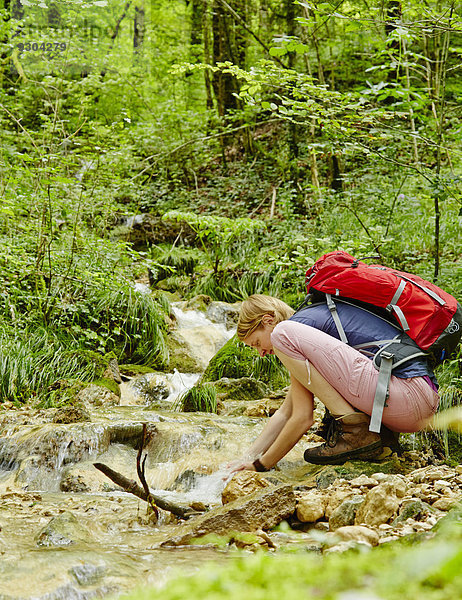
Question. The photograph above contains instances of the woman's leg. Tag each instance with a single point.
(353, 376)
(350, 437)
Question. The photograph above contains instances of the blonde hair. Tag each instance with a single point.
(255, 308)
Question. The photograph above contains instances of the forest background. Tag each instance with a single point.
(213, 147)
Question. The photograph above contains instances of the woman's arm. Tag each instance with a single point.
(283, 430)
(297, 424)
(270, 432)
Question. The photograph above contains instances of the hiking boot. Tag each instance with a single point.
(390, 439)
(348, 438)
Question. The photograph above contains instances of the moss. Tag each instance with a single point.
(200, 398)
(233, 360)
(132, 370)
(236, 360)
(180, 356)
(109, 384)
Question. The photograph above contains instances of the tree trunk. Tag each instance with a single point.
(229, 44)
(139, 28)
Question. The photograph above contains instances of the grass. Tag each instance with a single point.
(200, 398)
(33, 362)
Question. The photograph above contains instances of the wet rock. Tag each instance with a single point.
(221, 312)
(260, 510)
(96, 395)
(190, 350)
(199, 302)
(131, 434)
(79, 479)
(87, 574)
(311, 507)
(145, 389)
(71, 414)
(112, 371)
(357, 533)
(242, 484)
(243, 388)
(345, 513)
(62, 530)
(380, 505)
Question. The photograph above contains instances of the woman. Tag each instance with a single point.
(341, 377)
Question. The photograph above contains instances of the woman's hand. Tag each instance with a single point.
(243, 464)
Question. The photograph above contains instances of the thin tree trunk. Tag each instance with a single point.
(139, 29)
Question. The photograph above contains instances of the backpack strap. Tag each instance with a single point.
(333, 311)
(404, 350)
(381, 391)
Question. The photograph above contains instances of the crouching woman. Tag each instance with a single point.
(341, 377)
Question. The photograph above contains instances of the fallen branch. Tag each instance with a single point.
(140, 468)
(130, 486)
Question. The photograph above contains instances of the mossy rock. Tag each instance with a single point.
(233, 360)
(180, 356)
(133, 370)
(200, 302)
(109, 384)
(244, 388)
(236, 360)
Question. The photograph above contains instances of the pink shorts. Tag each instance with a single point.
(354, 376)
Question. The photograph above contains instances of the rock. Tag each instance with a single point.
(266, 407)
(180, 356)
(145, 389)
(62, 530)
(148, 229)
(242, 484)
(357, 533)
(243, 388)
(96, 395)
(363, 481)
(311, 507)
(345, 513)
(260, 510)
(221, 312)
(336, 497)
(411, 508)
(71, 414)
(431, 473)
(380, 505)
(445, 503)
(87, 574)
(112, 371)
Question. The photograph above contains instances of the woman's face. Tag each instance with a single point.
(260, 339)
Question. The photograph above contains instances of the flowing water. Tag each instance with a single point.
(66, 531)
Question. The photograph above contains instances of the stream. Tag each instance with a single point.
(66, 531)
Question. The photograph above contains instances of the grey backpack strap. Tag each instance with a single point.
(336, 318)
(381, 391)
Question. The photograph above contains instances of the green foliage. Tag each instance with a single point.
(35, 364)
(200, 398)
(235, 360)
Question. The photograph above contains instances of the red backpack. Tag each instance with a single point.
(429, 315)
(430, 319)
